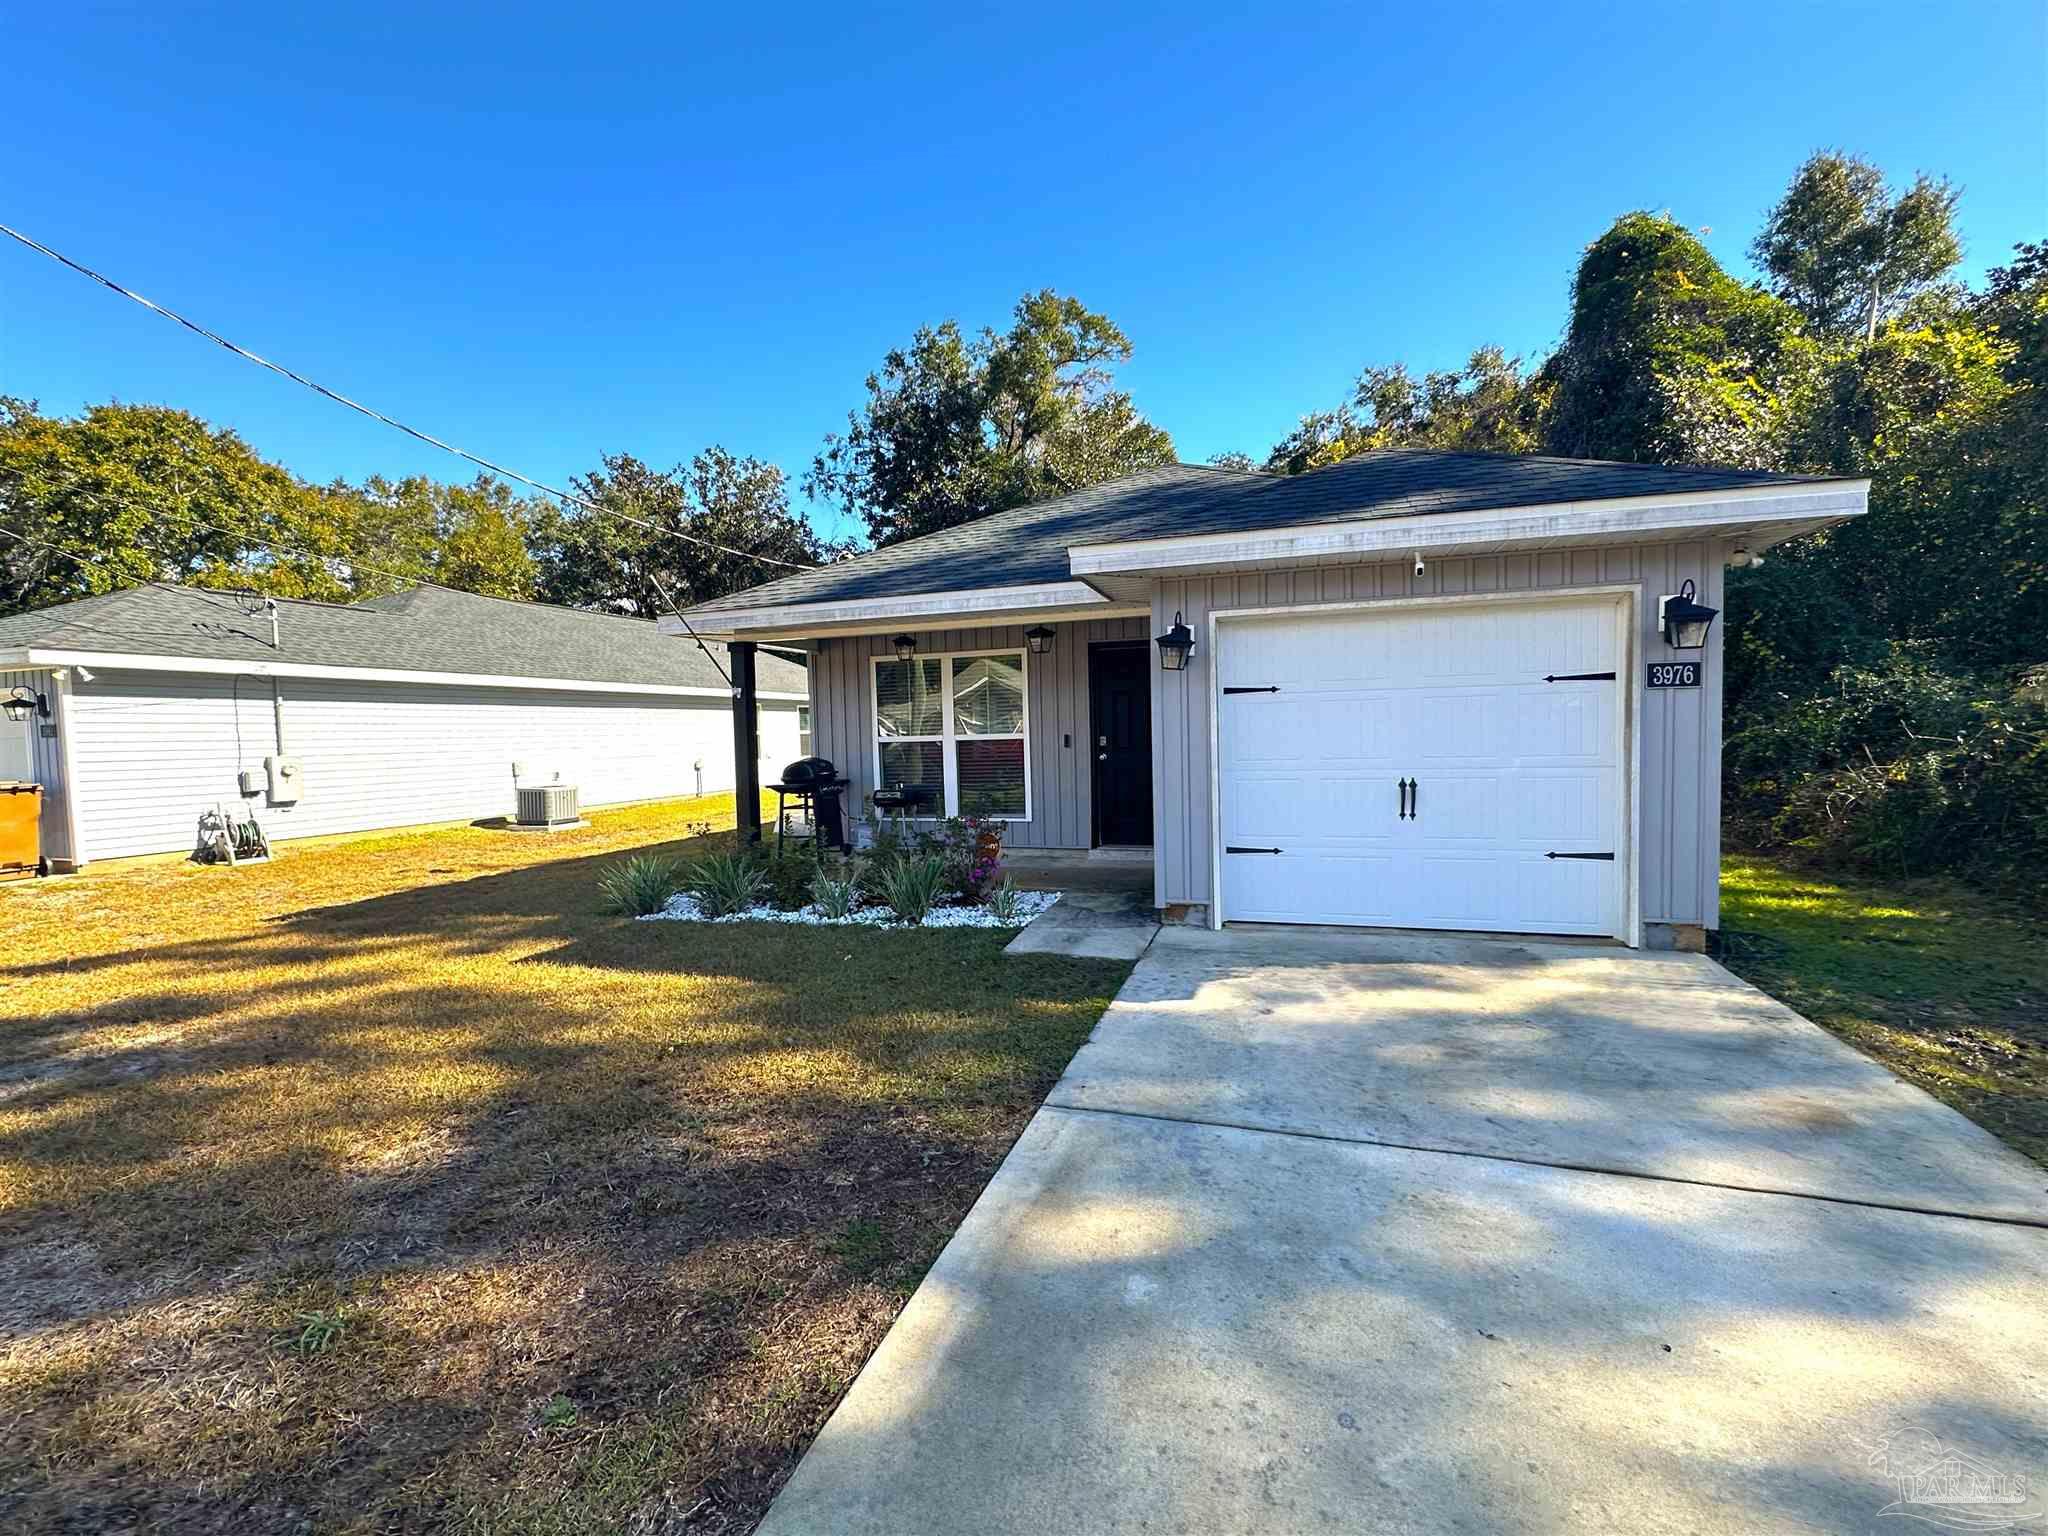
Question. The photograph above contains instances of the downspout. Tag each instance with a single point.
(60, 685)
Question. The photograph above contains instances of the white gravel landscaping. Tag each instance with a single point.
(684, 909)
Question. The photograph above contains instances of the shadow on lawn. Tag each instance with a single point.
(667, 1130)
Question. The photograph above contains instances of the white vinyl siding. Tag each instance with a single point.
(959, 724)
(152, 750)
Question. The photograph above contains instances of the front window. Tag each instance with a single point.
(953, 727)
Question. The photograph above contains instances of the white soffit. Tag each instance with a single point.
(1766, 514)
(974, 608)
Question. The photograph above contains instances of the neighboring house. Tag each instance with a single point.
(1426, 690)
(397, 711)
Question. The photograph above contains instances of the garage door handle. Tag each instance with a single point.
(1607, 856)
(1234, 848)
(1401, 788)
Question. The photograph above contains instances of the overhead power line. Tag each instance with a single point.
(390, 421)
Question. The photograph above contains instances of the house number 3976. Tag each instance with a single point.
(1674, 674)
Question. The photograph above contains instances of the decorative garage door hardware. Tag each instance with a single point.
(1233, 848)
(1269, 688)
(1579, 677)
(1407, 788)
(1607, 856)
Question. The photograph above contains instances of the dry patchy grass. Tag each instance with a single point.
(1946, 986)
(390, 1188)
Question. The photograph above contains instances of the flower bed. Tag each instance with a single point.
(683, 908)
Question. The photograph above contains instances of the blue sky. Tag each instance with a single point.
(550, 235)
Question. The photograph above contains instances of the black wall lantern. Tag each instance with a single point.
(906, 646)
(23, 702)
(1176, 645)
(1685, 622)
(1039, 638)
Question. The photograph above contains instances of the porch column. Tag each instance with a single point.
(746, 743)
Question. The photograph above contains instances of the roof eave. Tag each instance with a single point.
(1771, 513)
(978, 607)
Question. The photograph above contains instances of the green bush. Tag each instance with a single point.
(1002, 902)
(789, 875)
(640, 886)
(725, 883)
(1904, 768)
(913, 885)
(835, 895)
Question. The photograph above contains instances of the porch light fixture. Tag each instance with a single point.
(25, 701)
(1176, 645)
(1039, 638)
(906, 646)
(1685, 622)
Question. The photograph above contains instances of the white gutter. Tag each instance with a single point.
(969, 606)
(1615, 520)
(37, 657)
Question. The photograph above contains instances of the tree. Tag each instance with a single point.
(1848, 251)
(1232, 459)
(482, 532)
(1669, 360)
(1487, 406)
(956, 428)
(148, 493)
(594, 560)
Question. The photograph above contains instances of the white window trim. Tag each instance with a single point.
(948, 739)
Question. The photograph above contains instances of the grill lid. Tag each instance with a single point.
(807, 772)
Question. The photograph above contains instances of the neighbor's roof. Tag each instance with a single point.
(1028, 545)
(425, 629)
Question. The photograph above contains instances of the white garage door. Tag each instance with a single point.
(1424, 768)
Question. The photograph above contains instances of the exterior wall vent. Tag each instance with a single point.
(548, 805)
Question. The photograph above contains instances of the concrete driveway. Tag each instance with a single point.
(1343, 1232)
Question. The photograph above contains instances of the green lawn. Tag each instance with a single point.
(1947, 987)
(391, 1187)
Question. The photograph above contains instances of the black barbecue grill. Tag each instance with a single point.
(811, 785)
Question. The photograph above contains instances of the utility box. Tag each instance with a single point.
(285, 774)
(21, 830)
(251, 782)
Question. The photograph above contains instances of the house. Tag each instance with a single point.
(149, 706)
(1413, 689)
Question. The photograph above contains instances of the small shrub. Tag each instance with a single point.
(913, 886)
(725, 883)
(789, 876)
(1002, 902)
(639, 886)
(835, 895)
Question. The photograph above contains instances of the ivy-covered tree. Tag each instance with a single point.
(956, 427)
(1669, 360)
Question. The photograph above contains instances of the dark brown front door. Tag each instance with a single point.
(1120, 709)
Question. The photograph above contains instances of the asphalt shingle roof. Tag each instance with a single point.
(1028, 545)
(426, 629)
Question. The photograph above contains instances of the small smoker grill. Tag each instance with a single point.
(813, 786)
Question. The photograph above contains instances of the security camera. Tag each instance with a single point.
(1418, 565)
(84, 674)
